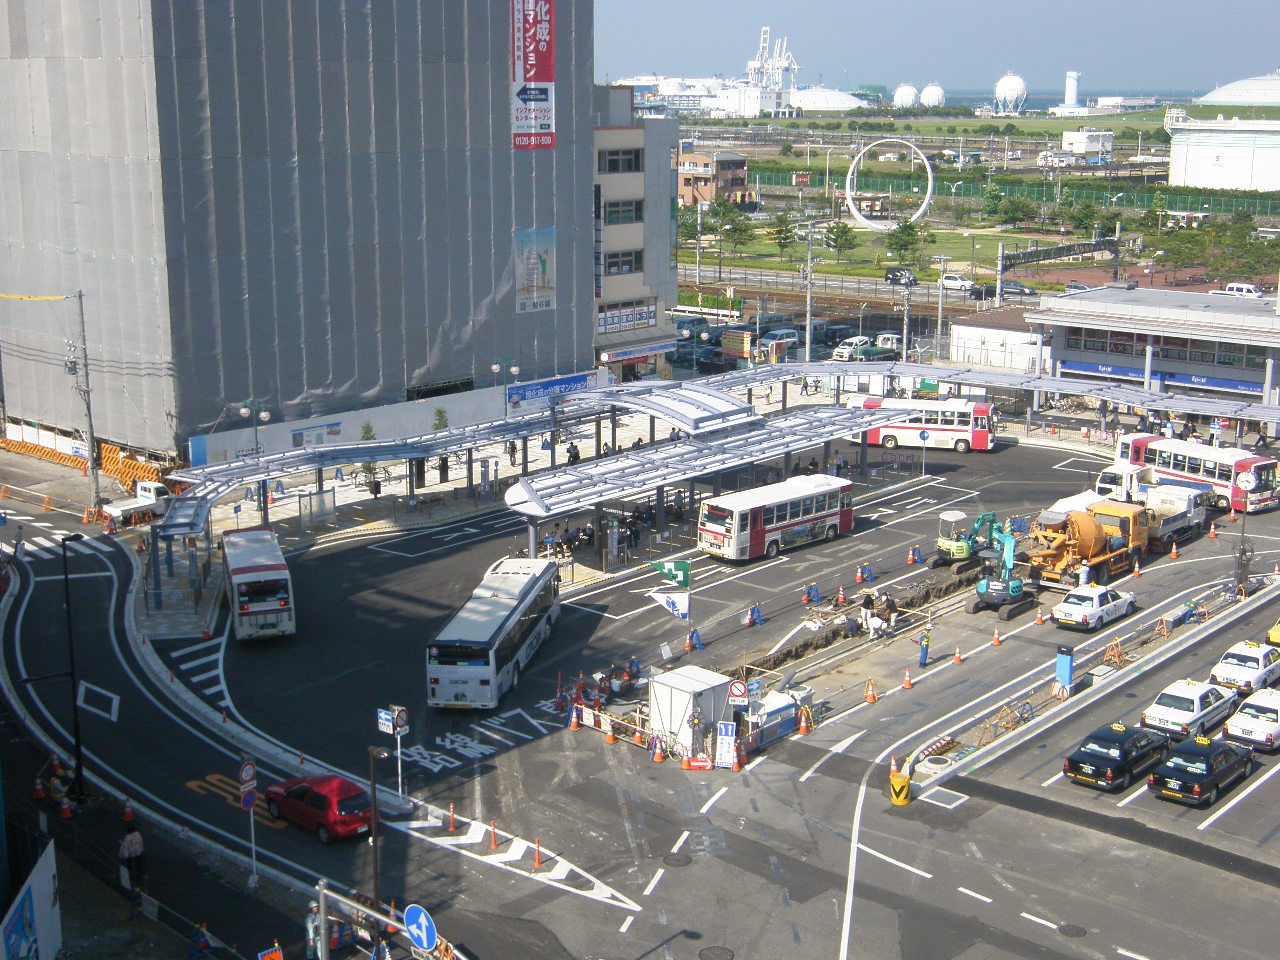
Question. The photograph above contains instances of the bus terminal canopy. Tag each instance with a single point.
(633, 473)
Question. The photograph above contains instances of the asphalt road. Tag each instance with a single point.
(641, 859)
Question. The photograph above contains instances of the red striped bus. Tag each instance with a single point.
(762, 521)
(259, 587)
(1218, 468)
(955, 424)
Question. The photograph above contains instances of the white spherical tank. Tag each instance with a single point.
(933, 96)
(1011, 92)
(905, 96)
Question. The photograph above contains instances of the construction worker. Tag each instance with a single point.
(313, 929)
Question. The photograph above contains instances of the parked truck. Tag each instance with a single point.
(151, 499)
(1125, 481)
(1107, 536)
(1176, 514)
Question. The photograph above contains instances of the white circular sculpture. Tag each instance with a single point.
(851, 185)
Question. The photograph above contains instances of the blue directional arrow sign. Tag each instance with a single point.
(420, 927)
(924, 434)
(531, 94)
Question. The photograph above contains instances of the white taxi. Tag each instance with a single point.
(1091, 606)
(1188, 708)
(1247, 666)
(1257, 722)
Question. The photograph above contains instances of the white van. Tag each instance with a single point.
(1244, 290)
(790, 337)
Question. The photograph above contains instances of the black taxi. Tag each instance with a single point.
(1198, 769)
(1111, 756)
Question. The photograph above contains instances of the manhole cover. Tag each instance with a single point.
(677, 859)
(1073, 930)
(715, 953)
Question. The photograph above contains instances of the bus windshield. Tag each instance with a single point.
(458, 655)
(262, 591)
(1266, 475)
(718, 517)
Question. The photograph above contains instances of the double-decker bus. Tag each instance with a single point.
(764, 520)
(1217, 469)
(478, 655)
(259, 587)
(953, 424)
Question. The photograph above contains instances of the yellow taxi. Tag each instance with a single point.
(1273, 635)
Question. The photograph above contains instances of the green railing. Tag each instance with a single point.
(1039, 192)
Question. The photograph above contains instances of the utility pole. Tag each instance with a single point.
(95, 490)
(808, 298)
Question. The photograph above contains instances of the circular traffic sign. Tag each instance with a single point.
(248, 771)
(737, 688)
(924, 434)
(248, 799)
(402, 718)
(420, 927)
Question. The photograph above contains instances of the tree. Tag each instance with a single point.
(841, 238)
(1015, 210)
(781, 233)
(737, 233)
(369, 469)
(908, 242)
(687, 224)
(787, 150)
(991, 198)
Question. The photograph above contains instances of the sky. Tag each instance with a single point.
(1175, 47)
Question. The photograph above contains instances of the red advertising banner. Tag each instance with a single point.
(533, 74)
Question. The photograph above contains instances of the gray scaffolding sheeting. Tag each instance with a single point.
(633, 473)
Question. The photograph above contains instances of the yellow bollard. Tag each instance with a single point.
(899, 787)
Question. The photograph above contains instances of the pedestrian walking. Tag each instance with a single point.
(804, 386)
(512, 450)
(131, 855)
(674, 435)
(313, 930)
(768, 393)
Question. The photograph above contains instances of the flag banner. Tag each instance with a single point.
(676, 571)
(676, 603)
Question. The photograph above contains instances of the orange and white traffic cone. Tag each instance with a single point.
(64, 810)
(840, 600)
(804, 723)
(639, 738)
(911, 556)
(857, 576)
(1276, 569)
(657, 752)
(893, 765)
(685, 764)
(995, 637)
(127, 816)
(1040, 615)
(609, 735)
(574, 723)
(39, 791)
(1233, 514)
(958, 658)
(1137, 567)
(906, 680)
(1173, 554)
(738, 758)
(1213, 530)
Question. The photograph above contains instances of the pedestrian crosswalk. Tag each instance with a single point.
(199, 666)
(30, 538)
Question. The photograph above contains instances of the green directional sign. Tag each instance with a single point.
(676, 571)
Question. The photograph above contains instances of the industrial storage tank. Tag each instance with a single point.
(933, 96)
(905, 96)
(1011, 93)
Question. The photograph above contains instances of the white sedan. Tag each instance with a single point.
(1257, 722)
(1247, 666)
(1091, 606)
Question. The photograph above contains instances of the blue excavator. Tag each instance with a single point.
(1000, 590)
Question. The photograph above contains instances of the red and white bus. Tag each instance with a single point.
(955, 424)
(764, 520)
(258, 584)
(1218, 469)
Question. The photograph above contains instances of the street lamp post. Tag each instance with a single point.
(375, 754)
(504, 367)
(255, 411)
(77, 750)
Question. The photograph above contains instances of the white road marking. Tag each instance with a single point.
(1142, 788)
(680, 842)
(714, 797)
(648, 607)
(977, 896)
(838, 748)
(897, 863)
(202, 645)
(1040, 920)
(756, 762)
(1054, 779)
(73, 576)
(1240, 796)
(654, 882)
(1127, 953)
(626, 924)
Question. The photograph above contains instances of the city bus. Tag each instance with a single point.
(259, 587)
(479, 654)
(1218, 469)
(764, 520)
(952, 424)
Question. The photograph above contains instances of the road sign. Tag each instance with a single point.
(401, 720)
(386, 722)
(755, 689)
(726, 743)
(737, 693)
(420, 927)
(924, 434)
(248, 771)
(248, 798)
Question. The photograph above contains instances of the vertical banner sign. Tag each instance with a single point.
(533, 74)
(535, 256)
(726, 743)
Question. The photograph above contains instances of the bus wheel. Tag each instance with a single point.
(962, 446)
(1222, 503)
(831, 533)
(889, 443)
(771, 550)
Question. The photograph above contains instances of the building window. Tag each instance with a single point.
(624, 261)
(624, 211)
(1230, 354)
(620, 161)
(626, 315)
(1173, 348)
(1201, 351)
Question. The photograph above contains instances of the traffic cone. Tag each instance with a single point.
(64, 811)
(806, 595)
(958, 658)
(911, 556)
(657, 752)
(609, 736)
(638, 740)
(688, 644)
(893, 764)
(493, 834)
(1276, 569)
(685, 764)
(906, 680)
(995, 637)
(737, 758)
(127, 816)
(1233, 514)
(1137, 567)
(1173, 554)
(869, 692)
(573, 719)
(804, 723)
(391, 927)
(39, 792)
(1040, 615)
(1213, 530)
(55, 764)
(857, 577)
(840, 596)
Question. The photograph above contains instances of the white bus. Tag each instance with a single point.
(952, 424)
(258, 584)
(478, 655)
(1216, 469)
(763, 520)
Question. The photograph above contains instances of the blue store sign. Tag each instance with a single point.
(1159, 376)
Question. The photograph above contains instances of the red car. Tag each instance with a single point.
(330, 805)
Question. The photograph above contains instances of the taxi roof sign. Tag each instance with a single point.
(1203, 741)
(1119, 727)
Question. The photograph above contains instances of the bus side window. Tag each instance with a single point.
(1180, 462)
(768, 516)
(744, 518)
(1164, 458)
(806, 507)
(793, 510)
(846, 500)
(948, 418)
(1148, 456)
(1194, 465)
(1125, 445)
(980, 423)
